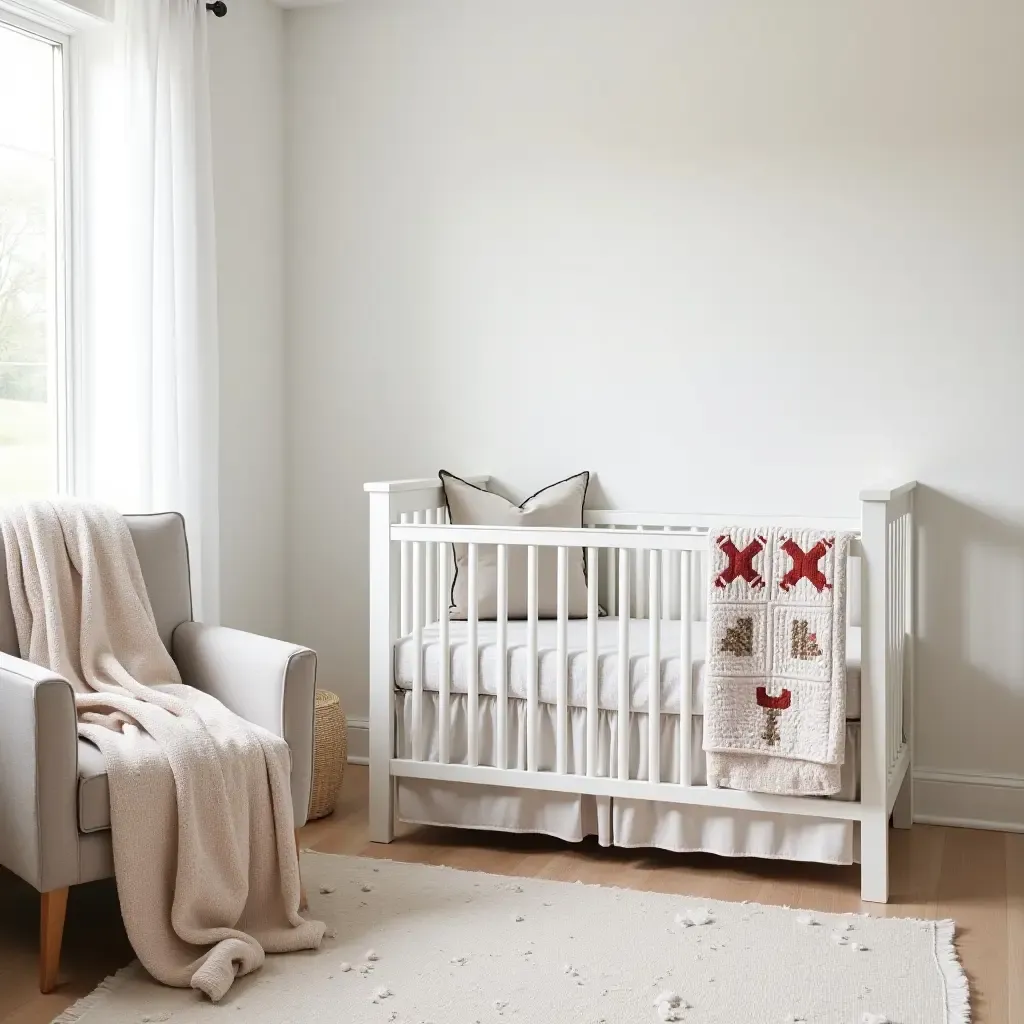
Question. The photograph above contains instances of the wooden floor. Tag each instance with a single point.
(975, 877)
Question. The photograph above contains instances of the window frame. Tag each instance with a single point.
(60, 373)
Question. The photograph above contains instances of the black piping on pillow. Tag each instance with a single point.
(443, 473)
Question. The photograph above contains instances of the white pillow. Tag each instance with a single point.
(561, 504)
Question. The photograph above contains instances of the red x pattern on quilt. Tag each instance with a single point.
(805, 565)
(741, 563)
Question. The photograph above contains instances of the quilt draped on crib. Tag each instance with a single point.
(775, 699)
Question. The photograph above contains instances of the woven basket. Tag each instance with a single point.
(330, 754)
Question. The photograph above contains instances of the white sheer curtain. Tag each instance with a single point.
(146, 433)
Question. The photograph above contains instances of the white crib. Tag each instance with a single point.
(648, 567)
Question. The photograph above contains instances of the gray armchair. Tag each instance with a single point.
(54, 800)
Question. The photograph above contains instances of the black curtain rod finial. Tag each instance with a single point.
(218, 9)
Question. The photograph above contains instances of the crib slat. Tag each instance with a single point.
(668, 571)
(430, 582)
(897, 618)
(888, 642)
(501, 754)
(907, 701)
(703, 561)
(531, 658)
(473, 654)
(905, 604)
(623, 703)
(893, 625)
(888, 645)
(900, 634)
(898, 647)
(902, 611)
(445, 681)
(419, 519)
(593, 584)
(417, 643)
(893, 682)
(639, 608)
(654, 672)
(612, 597)
(444, 558)
(908, 623)
(561, 698)
(419, 587)
(406, 559)
(685, 667)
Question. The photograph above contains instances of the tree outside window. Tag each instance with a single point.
(31, 129)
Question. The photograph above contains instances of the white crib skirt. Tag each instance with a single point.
(615, 822)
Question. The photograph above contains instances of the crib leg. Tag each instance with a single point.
(382, 809)
(903, 809)
(382, 784)
(382, 797)
(874, 858)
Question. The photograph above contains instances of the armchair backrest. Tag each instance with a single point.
(163, 555)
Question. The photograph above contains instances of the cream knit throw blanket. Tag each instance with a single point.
(200, 800)
(775, 695)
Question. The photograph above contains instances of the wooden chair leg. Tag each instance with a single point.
(303, 900)
(52, 908)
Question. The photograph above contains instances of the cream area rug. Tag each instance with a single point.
(412, 944)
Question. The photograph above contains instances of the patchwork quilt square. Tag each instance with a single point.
(740, 568)
(801, 642)
(805, 563)
(792, 722)
(738, 637)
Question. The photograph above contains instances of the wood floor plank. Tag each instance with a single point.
(975, 877)
(972, 890)
(915, 867)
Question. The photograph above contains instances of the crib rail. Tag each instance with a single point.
(608, 542)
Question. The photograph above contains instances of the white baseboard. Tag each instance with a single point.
(969, 800)
(358, 741)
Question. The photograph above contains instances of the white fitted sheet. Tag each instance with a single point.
(618, 821)
(608, 663)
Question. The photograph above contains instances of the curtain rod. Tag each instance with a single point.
(218, 9)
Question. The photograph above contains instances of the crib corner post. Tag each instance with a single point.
(385, 592)
(903, 809)
(874, 826)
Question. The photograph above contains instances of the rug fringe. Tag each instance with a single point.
(105, 988)
(958, 993)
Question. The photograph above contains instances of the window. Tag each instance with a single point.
(33, 283)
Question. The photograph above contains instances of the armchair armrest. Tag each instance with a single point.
(267, 682)
(38, 775)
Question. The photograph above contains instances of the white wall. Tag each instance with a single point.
(735, 256)
(247, 76)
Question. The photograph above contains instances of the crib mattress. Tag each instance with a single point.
(607, 662)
